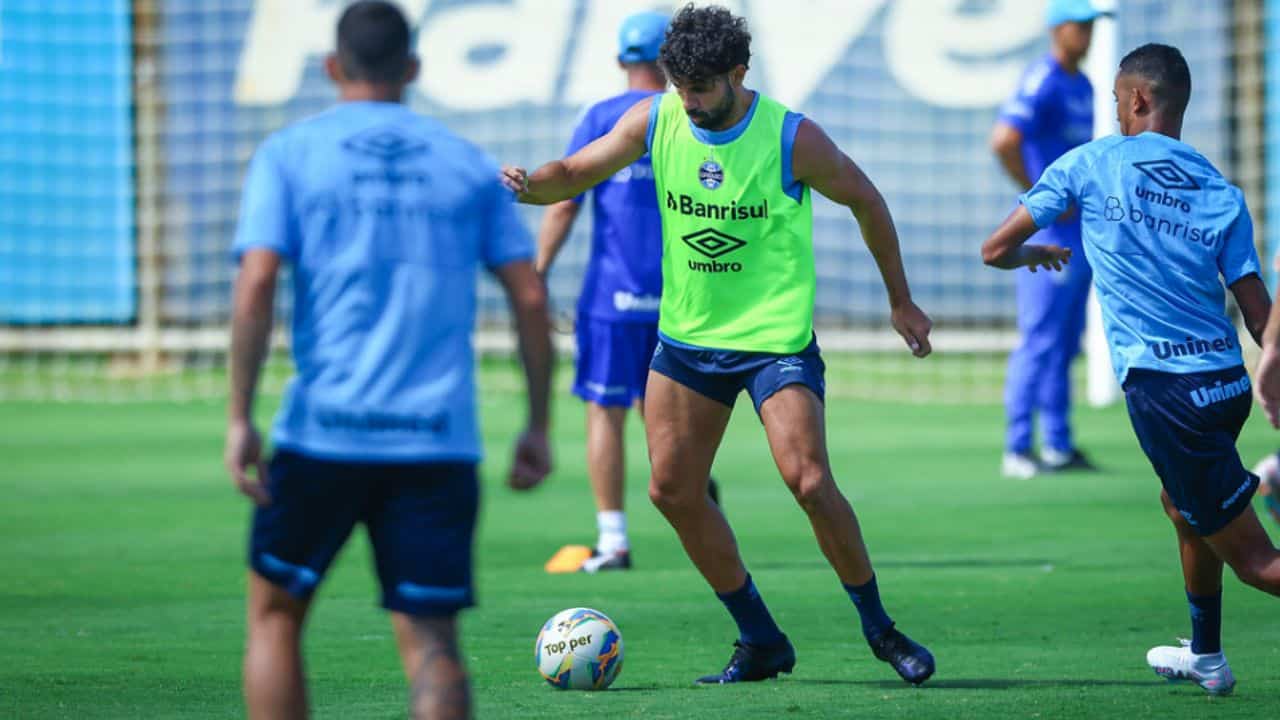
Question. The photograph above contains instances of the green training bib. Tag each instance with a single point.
(737, 262)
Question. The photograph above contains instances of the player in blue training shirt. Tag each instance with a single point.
(1160, 225)
(617, 313)
(1050, 113)
(385, 218)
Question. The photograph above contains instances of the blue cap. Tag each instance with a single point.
(1063, 11)
(641, 35)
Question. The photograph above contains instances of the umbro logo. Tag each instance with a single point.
(1167, 175)
(791, 364)
(384, 143)
(713, 243)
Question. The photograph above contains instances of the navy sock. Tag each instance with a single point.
(867, 599)
(1206, 623)
(755, 624)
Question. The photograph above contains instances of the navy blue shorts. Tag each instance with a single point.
(722, 374)
(613, 360)
(1188, 425)
(420, 518)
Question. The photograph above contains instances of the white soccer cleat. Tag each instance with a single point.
(1019, 466)
(1178, 664)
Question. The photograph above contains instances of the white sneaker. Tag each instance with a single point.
(1268, 468)
(1176, 664)
(1268, 471)
(618, 560)
(1019, 466)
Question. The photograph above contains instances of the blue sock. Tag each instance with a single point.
(755, 624)
(867, 599)
(1206, 623)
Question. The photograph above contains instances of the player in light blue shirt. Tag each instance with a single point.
(385, 218)
(1050, 112)
(1164, 231)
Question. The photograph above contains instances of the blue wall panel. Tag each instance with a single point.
(66, 162)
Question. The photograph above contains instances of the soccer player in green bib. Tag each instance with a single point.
(733, 171)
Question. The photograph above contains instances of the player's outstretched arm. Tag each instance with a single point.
(528, 297)
(1005, 248)
(562, 179)
(817, 162)
(251, 315)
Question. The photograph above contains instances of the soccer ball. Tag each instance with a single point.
(579, 649)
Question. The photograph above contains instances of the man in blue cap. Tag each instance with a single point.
(617, 313)
(1050, 112)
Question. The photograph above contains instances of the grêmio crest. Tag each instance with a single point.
(710, 174)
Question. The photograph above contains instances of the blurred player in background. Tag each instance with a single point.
(385, 217)
(733, 171)
(1050, 113)
(617, 315)
(1160, 225)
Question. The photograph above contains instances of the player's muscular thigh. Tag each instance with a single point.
(794, 424)
(684, 430)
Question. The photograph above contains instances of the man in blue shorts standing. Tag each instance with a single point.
(1050, 112)
(617, 315)
(1160, 225)
(385, 217)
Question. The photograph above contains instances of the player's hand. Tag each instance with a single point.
(1049, 257)
(1266, 387)
(914, 326)
(244, 451)
(532, 461)
(516, 179)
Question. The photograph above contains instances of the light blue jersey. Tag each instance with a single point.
(1159, 225)
(386, 217)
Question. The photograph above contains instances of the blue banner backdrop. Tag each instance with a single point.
(66, 162)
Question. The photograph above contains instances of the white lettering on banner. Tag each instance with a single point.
(527, 38)
(799, 41)
(593, 71)
(282, 35)
(483, 56)
(927, 43)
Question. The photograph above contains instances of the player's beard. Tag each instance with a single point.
(717, 117)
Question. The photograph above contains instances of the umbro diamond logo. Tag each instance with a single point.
(384, 143)
(713, 243)
(1167, 175)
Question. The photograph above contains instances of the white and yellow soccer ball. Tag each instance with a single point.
(579, 649)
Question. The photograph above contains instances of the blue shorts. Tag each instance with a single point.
(420, 519)
(613, 360)
(1188, 425)
(722, 374)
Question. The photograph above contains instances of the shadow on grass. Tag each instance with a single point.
(635, 688)
(935, 564)
(982, 683)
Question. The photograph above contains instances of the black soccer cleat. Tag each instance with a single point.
(912, 661)
(751, 663)
(1074, 461)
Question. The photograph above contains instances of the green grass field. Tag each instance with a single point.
(122, 577)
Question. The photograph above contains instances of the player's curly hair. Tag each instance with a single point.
(703, 42)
